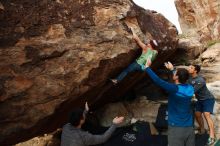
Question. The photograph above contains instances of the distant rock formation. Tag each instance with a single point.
(200, 18)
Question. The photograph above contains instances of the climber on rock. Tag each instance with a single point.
(73, 135)
(149, 51)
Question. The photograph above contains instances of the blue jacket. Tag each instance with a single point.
(179, 101)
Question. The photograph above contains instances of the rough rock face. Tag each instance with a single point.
(140, 109)
(211, 54)
(55, 55)
(189, 48)
(52, 139)
(200, 18)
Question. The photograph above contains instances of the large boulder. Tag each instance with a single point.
(190, 48)
(211, 54)
(210, 61)
(56, 54)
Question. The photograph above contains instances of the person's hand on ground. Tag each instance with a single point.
(169, 65)
(86, 107)
(118, 120)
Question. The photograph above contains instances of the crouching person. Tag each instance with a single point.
(73, 135)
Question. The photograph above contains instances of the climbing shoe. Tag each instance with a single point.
(211, 141)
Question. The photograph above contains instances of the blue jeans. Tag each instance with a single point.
(131, 68)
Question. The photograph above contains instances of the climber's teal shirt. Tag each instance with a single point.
(150, 54)
(179, 101)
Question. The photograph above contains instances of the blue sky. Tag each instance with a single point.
(165, 7)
